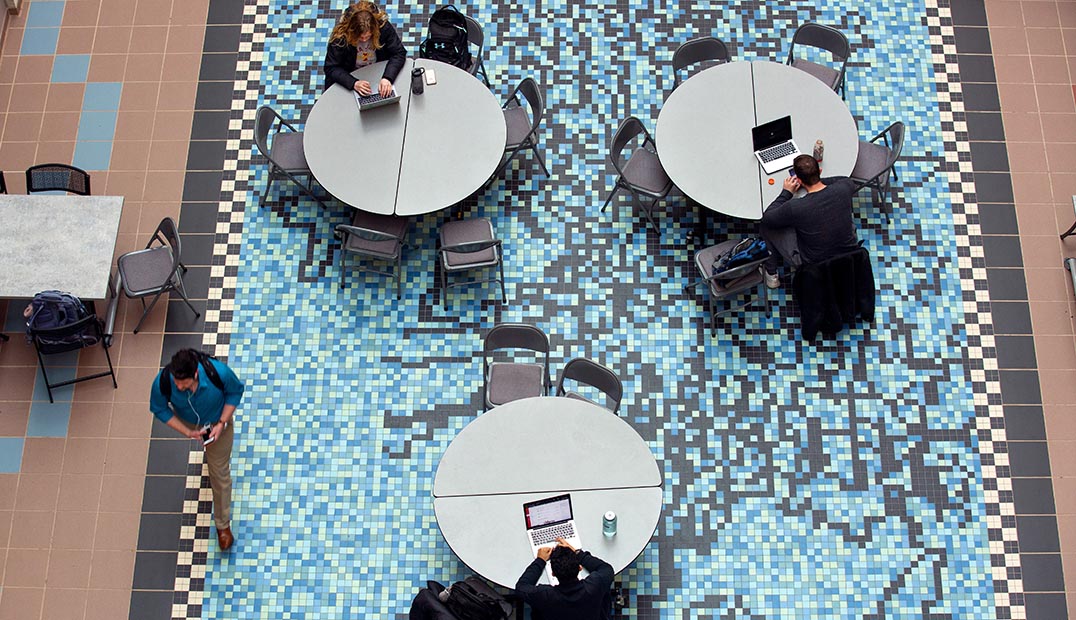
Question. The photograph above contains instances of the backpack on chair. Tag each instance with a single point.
(446, 38)
(473, 599)
(52, 309)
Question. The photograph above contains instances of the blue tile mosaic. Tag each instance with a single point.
(39, 41)
(840, 480)
(70, 68)
(92, 155)
(45, 14)
(102, 96)
(11, 454)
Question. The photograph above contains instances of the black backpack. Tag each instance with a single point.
(52, 309)
(446, 38)
(473, 599)
(164, 383)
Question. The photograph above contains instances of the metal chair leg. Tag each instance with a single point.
(534, 148)
(265, 194)
(500, 266)
(182, 290)
(610, 198)
(146, 312)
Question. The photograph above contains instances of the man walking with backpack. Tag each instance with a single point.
(197, 395)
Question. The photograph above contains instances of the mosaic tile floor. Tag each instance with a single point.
(845, 479)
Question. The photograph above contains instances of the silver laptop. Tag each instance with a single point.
(773, 143)
(547, 520)
(375, 100)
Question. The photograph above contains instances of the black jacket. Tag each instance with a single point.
(340, 59)
(587, 599)
(834, 292)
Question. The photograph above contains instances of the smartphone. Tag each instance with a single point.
(431, 77)
(791, 172)
(206, 439)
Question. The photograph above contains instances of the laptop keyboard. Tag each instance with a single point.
(550, 534)
(373, 97)
(777, 152)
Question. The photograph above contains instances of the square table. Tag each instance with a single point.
(60, 243)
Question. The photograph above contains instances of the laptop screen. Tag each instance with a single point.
(771, 133)
(548, 511)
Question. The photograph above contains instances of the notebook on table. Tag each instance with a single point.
(547, 520)
(773, 144)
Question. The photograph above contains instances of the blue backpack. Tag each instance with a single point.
(749, 250)
(52, 309)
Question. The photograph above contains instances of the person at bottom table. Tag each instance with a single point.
(812, 228)
(362, 37)
(572, 598)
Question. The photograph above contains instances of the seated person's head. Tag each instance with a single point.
(564, 562)
(361, 22)
(806, 169)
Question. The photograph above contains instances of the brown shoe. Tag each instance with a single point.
(225, 538)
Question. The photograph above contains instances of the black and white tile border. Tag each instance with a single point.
(196, 530)
(981, 362)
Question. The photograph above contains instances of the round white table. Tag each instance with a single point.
(703, 133)
(537, 448)
(420, 155)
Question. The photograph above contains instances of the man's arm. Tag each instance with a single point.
(528, 581)
(777, 215)
(600, 570)
(158, 404)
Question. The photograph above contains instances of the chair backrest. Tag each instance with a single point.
(168, 234)
(532, 92)
(472, 247)
(263, 124)
(822, 37)
(516, 336)
(475, 35)
(698, 50)
(895, 136)
(629, 129)
(595, 375)
(51, 177)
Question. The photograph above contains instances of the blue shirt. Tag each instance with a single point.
(204, 405)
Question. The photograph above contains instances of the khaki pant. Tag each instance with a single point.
(218, 456)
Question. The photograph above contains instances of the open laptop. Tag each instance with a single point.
(375, 100)
(547, 520)
(773, 144)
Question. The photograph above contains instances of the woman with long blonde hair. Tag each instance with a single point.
(362, 37)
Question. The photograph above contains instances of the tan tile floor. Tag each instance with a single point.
(1034, 46)
(69, 522)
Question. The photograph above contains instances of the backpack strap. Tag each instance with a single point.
(164, 382)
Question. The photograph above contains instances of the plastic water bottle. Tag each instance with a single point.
(819, 150)
(609, 524)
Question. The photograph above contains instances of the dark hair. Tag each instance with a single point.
(806, 168)
(565, 564)
(184, 364)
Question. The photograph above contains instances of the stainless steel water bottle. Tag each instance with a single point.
(819, 150)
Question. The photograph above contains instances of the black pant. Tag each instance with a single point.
(783, 246)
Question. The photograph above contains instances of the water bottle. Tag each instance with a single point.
(609, 524)
(819, 150)
(417, 86)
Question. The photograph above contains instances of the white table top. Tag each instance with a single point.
(60, 243)
(545, 445)
(536, 448)
(488, 533)
(421, 155)
(703, 133)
